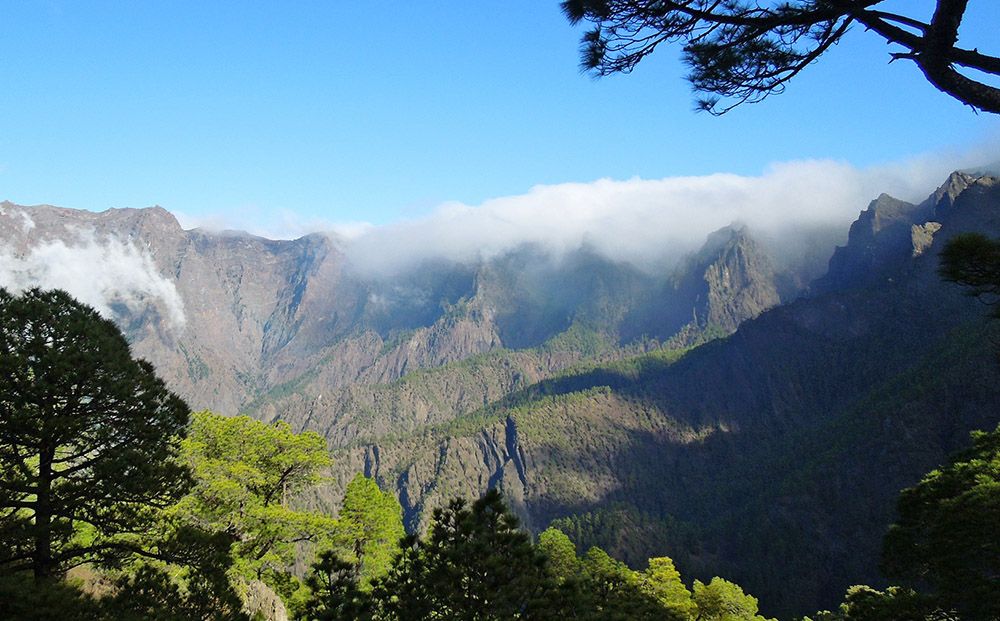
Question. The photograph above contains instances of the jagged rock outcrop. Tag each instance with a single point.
(922, 236)
(289, 329)
(729, 280)
(261, 603)
(879, 241)
(739, 278)
(799, 428)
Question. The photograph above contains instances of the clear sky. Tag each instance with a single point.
(379, 111)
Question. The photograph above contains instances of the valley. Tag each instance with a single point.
(750, 417)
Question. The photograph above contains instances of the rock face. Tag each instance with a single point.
(880, 239)
(289, 329)
(261, 602)
(733, 280)
(799, 429)
(545, 375)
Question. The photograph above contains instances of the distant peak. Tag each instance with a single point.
(735, 231)
(944, 197)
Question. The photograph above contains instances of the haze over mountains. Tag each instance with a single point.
(564, 374)
(228, 317)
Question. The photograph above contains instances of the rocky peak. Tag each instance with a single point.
(891, 232)
(944, 197)
(883, 217)
(729, 280)
(741, 281)
(974, 208)
(880, 239)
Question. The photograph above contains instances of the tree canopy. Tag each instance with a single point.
(88, 437)
(245, 473)
(740, 51)
(973, 260)
(945, 537)
(722, 600)
(476, 563)
(369, 528)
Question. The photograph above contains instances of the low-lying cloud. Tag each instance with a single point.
(645, 221)
(101, 273)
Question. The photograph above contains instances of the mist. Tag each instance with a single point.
(648, 222)
(98, 272)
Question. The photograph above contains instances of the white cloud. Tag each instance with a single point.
(280, 224)
(26, 222)
(100, 273)
(644, 220)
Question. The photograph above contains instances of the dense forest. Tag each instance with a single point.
(119, 504)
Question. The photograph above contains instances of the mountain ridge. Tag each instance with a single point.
(670, 444)
(698, 411)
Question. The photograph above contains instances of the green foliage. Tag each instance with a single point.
(88, 437)
(605, 573)
(335, 592)
(721, 600)
(563, 563)
(973, 260)
(475, 564)
(945, 536)
(605, 588)
(662, 582)
(610, 590)
(25, 599)
(578, 338)
(626, 529)
(146, 593)
(95, 465)
(245, 474)
(151, 593)
(369, 529)
(863, 603)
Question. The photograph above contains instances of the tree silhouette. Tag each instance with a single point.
(744, 50)
(973, 260)
(88, 437)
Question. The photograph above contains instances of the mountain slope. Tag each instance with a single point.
(774, 455)
(292, 329)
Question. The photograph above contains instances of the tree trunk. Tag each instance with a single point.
(42, 564)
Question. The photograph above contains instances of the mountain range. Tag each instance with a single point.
(729, 411)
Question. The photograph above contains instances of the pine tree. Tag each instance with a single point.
(475, 564)
(88, 437)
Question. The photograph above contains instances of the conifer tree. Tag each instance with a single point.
(475, 564)
(743, 50)
(369, 528)
(563, 563)
(662, 581)
(246, 472)
(88, 437)
(945, 537)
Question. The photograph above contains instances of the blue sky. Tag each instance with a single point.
(378, 111)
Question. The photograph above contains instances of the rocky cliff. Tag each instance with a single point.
(800, 428)
(572, 381)
(290, 329)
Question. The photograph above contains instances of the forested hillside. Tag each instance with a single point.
(784, 443)
(718, 411)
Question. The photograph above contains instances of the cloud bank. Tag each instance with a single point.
(277, 224)
(101, 273)
(646, 221)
